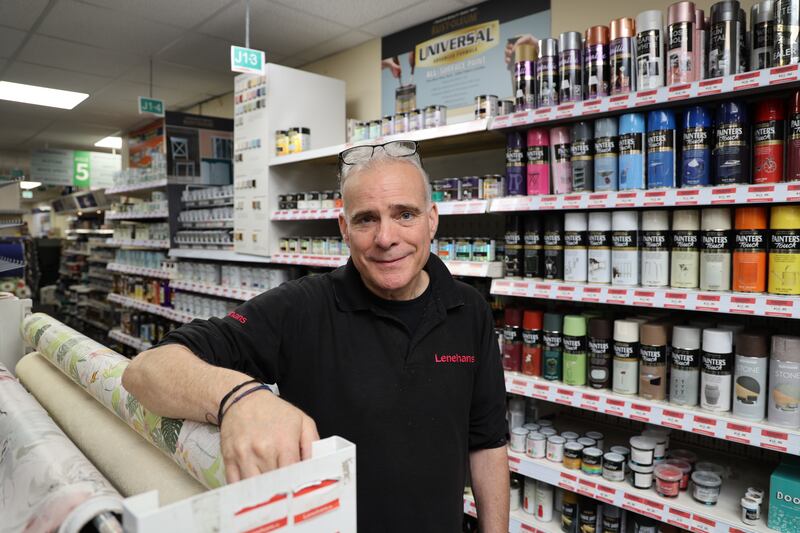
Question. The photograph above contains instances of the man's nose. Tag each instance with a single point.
(387, 233)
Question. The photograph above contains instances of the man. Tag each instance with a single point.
(388, 351)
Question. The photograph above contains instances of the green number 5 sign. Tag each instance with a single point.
(81, 169)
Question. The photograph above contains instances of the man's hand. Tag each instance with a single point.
(263, 432)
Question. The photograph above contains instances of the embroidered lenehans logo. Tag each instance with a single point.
(454, 358)
(236, 316)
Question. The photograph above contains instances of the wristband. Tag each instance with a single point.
(227, 397)
(261, 386)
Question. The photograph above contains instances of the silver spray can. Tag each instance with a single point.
(762, 34)
(783, 406)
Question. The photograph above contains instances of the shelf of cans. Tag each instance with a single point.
(215, 290)
(215, 255)
(140, 271)
(405, 120)
(156, 207)
(131, 215)
(139, 243)
(326, 261)
(129, 340)
(466, 207)
(207, 196)
(166, 312)
(136, 187)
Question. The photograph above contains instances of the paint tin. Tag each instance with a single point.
(517, 442)
(483, 250)
(555, 448)
(706, 487)
(387, 125)
(493, 186)
(529, 496)
(642, 475)
(401, 123)
(485, 107)
(592, 461)
(571, 436)
(613, 467)
(447, 249)
(435, 116)
(415, 120)
(463, 249)
(535, 445)
(643, 450)
(544, 501)
(685, 468)
(668, 480)
(572, 455)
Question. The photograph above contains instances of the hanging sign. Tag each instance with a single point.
(151, 106)
(247, 60)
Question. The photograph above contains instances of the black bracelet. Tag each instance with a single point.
(261, 386)
(227, 397)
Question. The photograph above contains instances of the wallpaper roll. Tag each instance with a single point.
(98, 370)
(46, 483)
(100, 435)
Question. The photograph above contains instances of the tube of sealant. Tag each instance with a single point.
(582, 156)
(561, 154)
(605, 154)
(696, 147)
(660, 149)
(649, 50)
(631, 151)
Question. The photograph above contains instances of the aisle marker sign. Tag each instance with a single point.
(81, 168)
(151, 106)
(247, 60)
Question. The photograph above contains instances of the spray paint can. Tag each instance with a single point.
(553, 246)
(625, 368)
(655, 248)
(532, 247)
(538, 161)
(661, 149)
(605, 154)
(685, 258)
(681, 67)
(631, 151)
(595, 62)
(787, 28)
(743, 38)
(684, 381)
(762, 34)
(525, 77)
(783, 405)
(715, 249)
(732, 148)
(599, 345)
(621, 51)
(701, 44)
(653, 361)
(561, 154)
(532, 343)
(649, 50)
(516, 179)
(547, 73)
(750, 375)
(513, 252)
(723, 49)
(696, 149)
(768, 141)
(551, 355)
(625, 248)
(512, 339)
(793, 148)
(716, 374)
(575, 246)
(784, 250)
(570, 67)
(599, 250)
(582, 156)
(575, 350)
(751, 240)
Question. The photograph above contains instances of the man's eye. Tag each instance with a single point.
(407, 215)
(366, 219)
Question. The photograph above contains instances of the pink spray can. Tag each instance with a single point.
(681, 46)
(561, 157)
(538, 166)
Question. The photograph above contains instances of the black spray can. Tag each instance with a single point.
(787, 27)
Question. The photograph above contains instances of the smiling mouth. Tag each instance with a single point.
(389, 261)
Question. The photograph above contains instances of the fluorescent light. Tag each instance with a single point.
(110, 142)
(28, 185)
(33, 94)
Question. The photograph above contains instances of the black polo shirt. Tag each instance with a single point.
(414, 405)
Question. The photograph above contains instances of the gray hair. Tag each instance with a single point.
(380, 158)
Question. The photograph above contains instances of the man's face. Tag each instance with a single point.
(388, 227)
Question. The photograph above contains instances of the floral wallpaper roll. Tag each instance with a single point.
(98, 370)
(46, 483)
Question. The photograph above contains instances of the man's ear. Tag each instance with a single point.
(433, 219)
(343, 227)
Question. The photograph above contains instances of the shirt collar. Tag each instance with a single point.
(352, 295)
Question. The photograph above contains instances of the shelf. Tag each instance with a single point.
(137, 243)
(133, 342)
(76, 252)
(463, 207)
(326, 261)
(693, 420)
(211, 202)
(467, 207)
(166, 312)
(681, 512)
(692, 93)
(140, 271)
(519, 521)
(215, 290)
(664, 298)
(476, 269)
(216, 255)
(137, 187)
(89, 231)
(113, 215)
(684, 196)
(209, 224)
(80, 289)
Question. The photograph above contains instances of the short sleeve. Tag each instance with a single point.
(487, 420)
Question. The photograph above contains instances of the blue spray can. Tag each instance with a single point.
(631, 151)
(661, 149)
(732, 144)
(696, 147)
(606, 154)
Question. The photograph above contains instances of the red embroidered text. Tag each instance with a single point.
(456, 358)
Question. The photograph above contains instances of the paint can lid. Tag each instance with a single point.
(554, 222)
(512, 316)
(601, 328)
(582, 129)
(560, 135)
(686, 220)
(717, 341)
(625, 221)
(548, 48)
(626, 331)
(631, 123)
(699, 19)
(525, 52)
(686, 337)
(725, 10)
(623, 27)
(587, 442)
(786, 348)
(660, 119)
(752, 344)
(785, 217)
(751, 218)
(733, 329)
(570, 40)
(641, 469)
(622, 450)
(596, 435)
(684, 466)
(643, 443)
(770, 109)
(600, 221)
(593, 451)
(597, 35)
(575, 221)
(574, 447)
(654, 334)
(553, 322)
(716, 218)
(520, 431)
(532, 319)
(538, 137)
(613, 457)
(655, 220)
(667, 472)
(649, 20)
(706, 479)
(605, 127)
(575, 326)
(570, 435)
(763, 11)
(680, 12)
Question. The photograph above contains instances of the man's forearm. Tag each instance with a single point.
(171, 381)
(490, 480)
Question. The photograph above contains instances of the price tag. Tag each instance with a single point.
(590, 106)
(586, 488)
(707, 302)
(632, 503)
(568, 482)
(672, 419)
(532, 529)
(521, 118)
(542, 291)
(565, 292)
(540, 391)
(500, 121)
(760, 194)
(615, 407)
(640, 412)
(618, 102)
(776, 307)
(705, 426)
(783, 74)
(474, 208)
(675, 300)
(679, 92)
(679, 518)
(655, 198)
(591, 294)
(548, 202)
(644, 298)
(598, 201)
(792, 192)
(542, 114)
(646, 97)
(520, 289)
(572, 201)
(723, 195)
(742, 305)
(616, 296)
(471, 510)
(738, 433)
(652, 509)
(707, 87)
(701, 524)
(626, 199)
(564, 396)
(519, 386)
(590, 401)
(774, 440)
(513, 463)
(746, 81)
(565, 110)
(605, 493)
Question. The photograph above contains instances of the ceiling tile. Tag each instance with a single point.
(200, 51)
(79, 57)
(419, 13)
(73, 133)
(10, 40)
(123, 96)
(106, 28)
(57, 78)
(337, 44)
(351, 13)
(21, 14)
(276, 29)
(181, 13)
(174, 76)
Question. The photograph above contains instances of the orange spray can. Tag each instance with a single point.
(750, 249)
